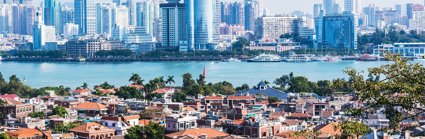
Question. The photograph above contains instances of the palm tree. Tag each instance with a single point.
(85, 85)
(170, 80)
(136, 79)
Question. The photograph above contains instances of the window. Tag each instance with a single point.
(113, 124)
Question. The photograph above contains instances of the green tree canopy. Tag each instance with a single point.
(60, 110)
(150, 131)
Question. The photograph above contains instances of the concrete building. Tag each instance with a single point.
(87, 47)
(52, 14)
(417, 22)
(353, 6)
(173, 24)
(407, 50)
(272, 27)
(70, 29)
(85, 16)
(42, 34)
(339, 32)
(203, 24)
(176, 122)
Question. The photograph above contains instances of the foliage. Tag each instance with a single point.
(106, 85)
(170, 80)
(49, 54)
(309, 134)
(188, 82)
(37, 115)
(179, 97)
(16, 86)
(240, 44)
(4, 136)
(242, 88)
(114, 53)
(273, 100)
(136, 79)
(60, 110)
(353, 129)
(151, 131)
(399, 94)
(64, 128)
(127, 92)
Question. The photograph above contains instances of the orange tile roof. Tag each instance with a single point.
(90, 106)
(91, 128)
(328, 130)
(10, 101)
(131, 117)
(238, 122)
(213, 98)
(144, 122)
(25, 133)
(300, 115)
(209, 132)
(84, 90)
(240, 97)
(163, 90)
(289, 135)
(136, 86)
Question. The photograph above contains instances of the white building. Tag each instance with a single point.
(120, 123)
(418, 21)
(271, 28)
(353, 6)
(177, 122)
(42, 34)
(407, 50)
(70, 29)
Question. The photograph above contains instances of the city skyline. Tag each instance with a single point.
(302, 5)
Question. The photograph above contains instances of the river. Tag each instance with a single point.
(74, 74)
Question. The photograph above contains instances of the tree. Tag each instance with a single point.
(273, 100)
(309, 134)
(64, 128)
(201, 80)
(62, 91)
(179, 97)
(60, 110)
(240, 44)
(170, 80)
(399, 94)
(188, 82)
(129, 92)
(353, 129)
(242, 88)
(136, 79)
(150, 131)
(106, 85)
(4, 136)
(282, 81)
(300, 84)
(37, 115)
(85, 86)
(224, 88)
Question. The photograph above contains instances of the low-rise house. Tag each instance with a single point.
(93, 131)
(82, 91)
(263, 89)
(261, 128)
(299, 116)
(90, 109)
(377, 121)
(27, 133)
(198, 133)
(293, 125)
(10, 96)
(67, 103)
(236, 101)
(15, 109)
(179, 122)
(166, 93)
(120, 123)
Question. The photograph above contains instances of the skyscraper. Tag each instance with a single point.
(250, 13)
(203, 19)
(339, 32)
(352, 6)
(85, 16)
(173, 24)
(52, 14)
(118, 2)
(331, 8)
(131, 5)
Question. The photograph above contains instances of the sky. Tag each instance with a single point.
(288, 6)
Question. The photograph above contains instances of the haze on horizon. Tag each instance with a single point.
(288, 6)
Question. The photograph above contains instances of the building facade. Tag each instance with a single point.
(173, 24)
(339, 32)
(271, 28)
(85, 16)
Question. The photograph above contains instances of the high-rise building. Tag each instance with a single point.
(42, 33)
(67, 15)
(352, 6)
(250, 13)
(317, 9)
(52, 14)
(339, 32)
(331, 7)
(232, 13)
(5, 19)
(272, 27)
(131, 5)
(418, 21)
(109, 15)
(70, 30)
(85, 16)
(118, 2)
(370, 12)
(203, 24)
(173, 24)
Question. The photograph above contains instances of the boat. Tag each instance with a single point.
(232, 60)
(82, 59)
(1, 58)
(300, 58)
(333, 59)
(367, 57)
(266, 58)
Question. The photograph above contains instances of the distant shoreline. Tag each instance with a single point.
(113, 59)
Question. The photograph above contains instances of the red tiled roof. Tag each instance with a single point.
(213, 98)
(136, 86)
(144, 122)
(300, 115)
(25, 133)
(91, 128)
(328, 130)
(10, 101)
(208, 132)
(163, 90)
(240, 97)
(11, 96)
(84, 90)
(238, 122)
(289, 135)
(90, 106)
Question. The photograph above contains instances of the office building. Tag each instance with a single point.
(131, 5)
(370, 12)
(203, 24)
(250, 14)
(52, 14)
(85, 16)
(418, 21)
(117, 2)
(173, 24)
(232, 13)
(331, 7)
(271, 28)
(5, 19)
(42, 34)
(67, 15)
(70, 30)
(353, 6)
(406, 50)
(339, 32)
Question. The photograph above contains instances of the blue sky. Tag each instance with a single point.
(287, 6)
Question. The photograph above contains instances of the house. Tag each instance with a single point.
(167, 93)
(213, 103)
(93, 131)
(179, 122)
(299, 116)
(236, 101)
(261, 128)
(27, 133)
(15, 109)
(328, 130)
(82, 91)
(201, 133)
(377, 121)
(10, 96)
(263, 89)
(90, 109)
(120, 123)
